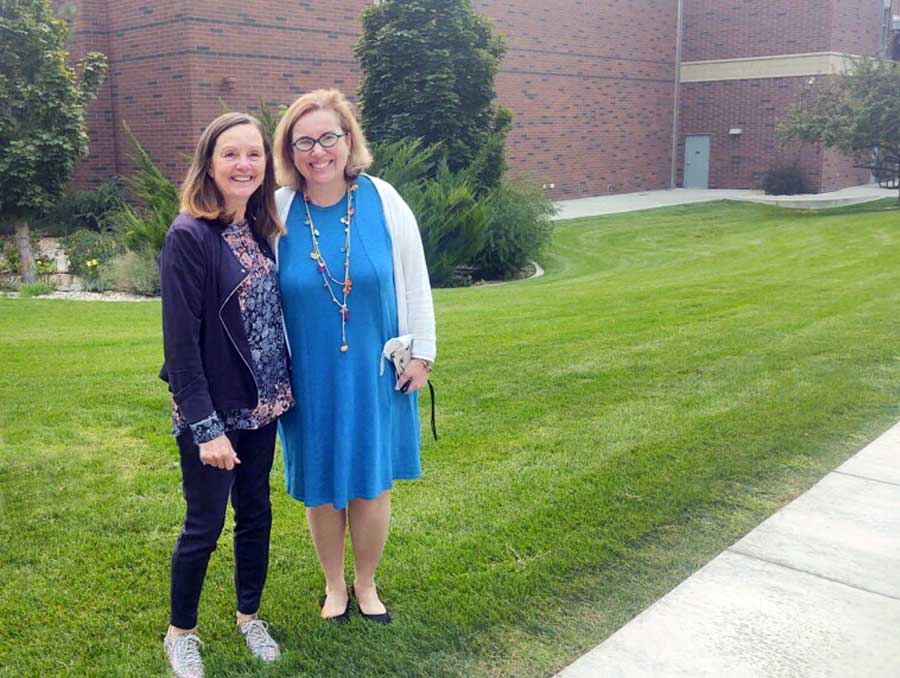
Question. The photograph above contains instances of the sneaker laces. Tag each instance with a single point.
(256, 633)
(186, 652)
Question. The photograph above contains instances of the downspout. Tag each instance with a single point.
(675, 120)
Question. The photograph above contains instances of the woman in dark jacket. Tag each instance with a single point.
(227, 369)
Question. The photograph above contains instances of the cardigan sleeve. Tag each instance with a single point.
(183, 275)
(417, 286)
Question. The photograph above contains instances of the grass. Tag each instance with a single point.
(677, 376)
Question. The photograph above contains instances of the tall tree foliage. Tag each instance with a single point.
(428, 73)
(42, 114)
(857, 113)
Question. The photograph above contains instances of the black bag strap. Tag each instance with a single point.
(433, 426)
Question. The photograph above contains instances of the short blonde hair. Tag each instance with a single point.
(201, 198)
(286, 171)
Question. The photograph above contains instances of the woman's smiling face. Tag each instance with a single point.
(238, 166)
(323, 168)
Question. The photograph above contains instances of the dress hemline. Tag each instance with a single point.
(322, 502)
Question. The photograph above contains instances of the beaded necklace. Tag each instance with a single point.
(345, 285)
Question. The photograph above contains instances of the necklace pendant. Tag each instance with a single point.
(316, 232)
(345, 313)
(348, 285)
(345, 220)
(321, 268)
(313, 255)
(344, 348)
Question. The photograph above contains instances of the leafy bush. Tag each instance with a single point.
(452, 221)
(785, 181)
(87, 251)
(132, 272)
(9, 256)
(519, 227)
(159, 199)
(9, 264)
(44, 267)
(92, 210)
(404, 163)
(428, 70)
(35, 289)
(489, 164)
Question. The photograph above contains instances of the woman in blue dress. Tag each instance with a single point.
(353, 275)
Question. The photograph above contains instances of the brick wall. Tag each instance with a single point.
(590, 83)
(722, 29)
(755, 106)
(856, 27)
(592, 86)
(728, 29)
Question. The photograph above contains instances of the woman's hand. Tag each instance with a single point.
(218, 452)
(414, 377)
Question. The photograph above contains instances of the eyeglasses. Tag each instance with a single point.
(327, 140)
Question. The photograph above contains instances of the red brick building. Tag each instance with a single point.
(593, 83)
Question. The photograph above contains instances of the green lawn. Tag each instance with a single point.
(677, 376)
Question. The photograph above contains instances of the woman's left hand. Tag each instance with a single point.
(414, 377)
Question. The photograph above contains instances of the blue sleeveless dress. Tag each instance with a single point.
(350, 434)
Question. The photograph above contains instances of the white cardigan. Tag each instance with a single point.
(415, 311)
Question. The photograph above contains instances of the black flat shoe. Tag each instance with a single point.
(341, 618)
(383, 618)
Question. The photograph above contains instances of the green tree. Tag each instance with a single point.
(428, 73)
(857, 113)
(42, 114)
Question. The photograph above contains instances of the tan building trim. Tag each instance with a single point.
(777, 66)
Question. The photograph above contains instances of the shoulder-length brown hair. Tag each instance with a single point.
(201, 198)
(329, 99)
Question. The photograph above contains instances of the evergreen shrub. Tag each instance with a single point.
(784, 181)
(92, 210)
(518, 229)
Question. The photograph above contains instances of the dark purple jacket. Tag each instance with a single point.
(207, 357)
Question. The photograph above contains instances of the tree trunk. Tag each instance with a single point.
(26, 256)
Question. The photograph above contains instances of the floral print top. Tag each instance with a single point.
(260, 302)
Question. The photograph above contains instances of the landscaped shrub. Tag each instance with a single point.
(784, 181)
(87, 251)
(44, 267)
(35, 289)
(147, 226)
(452, 221)
(90, 209)
(428, 70)
(519, 227)
(404, 163)
(132, 272)
(9, 264)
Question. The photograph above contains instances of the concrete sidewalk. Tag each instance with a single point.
(814, 591)
(628, 202)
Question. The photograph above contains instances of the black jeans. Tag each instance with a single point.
(206, 490)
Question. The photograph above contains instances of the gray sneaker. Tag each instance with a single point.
(183, 653)
(259, 642)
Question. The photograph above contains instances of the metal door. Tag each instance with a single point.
(696, 161)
